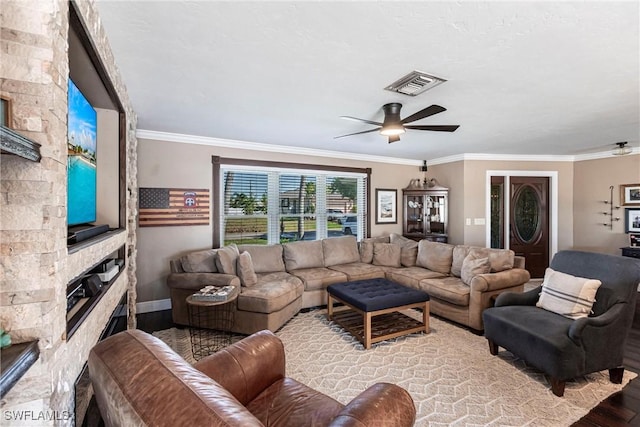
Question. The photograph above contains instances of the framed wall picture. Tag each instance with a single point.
(5, 111)
(630, 195)
(632, 220)
(386, 206)
(634, 240)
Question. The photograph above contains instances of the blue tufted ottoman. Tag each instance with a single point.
(373, 309)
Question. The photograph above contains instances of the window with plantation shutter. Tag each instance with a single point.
(262, 204)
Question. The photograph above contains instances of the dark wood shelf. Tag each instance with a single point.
(15, 362)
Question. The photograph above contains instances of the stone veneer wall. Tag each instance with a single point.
(34, 264)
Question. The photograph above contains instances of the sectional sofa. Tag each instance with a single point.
(277, 281)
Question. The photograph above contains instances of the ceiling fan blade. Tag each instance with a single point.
(436, 128)
(394, 138)
(357, 133)
(426, 112)
(361, 120)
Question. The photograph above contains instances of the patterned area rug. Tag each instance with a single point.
(450, 374)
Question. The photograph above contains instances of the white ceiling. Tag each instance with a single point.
(526, 78)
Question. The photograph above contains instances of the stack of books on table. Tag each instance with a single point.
(213, 293)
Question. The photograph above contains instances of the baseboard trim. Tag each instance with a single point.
(157, 305)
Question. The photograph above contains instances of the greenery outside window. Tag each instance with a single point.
(265, 203)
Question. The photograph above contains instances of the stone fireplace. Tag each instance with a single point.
(36, 264)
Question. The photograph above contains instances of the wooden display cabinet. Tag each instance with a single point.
(425, 211)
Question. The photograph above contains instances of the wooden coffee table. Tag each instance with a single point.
(373, 306)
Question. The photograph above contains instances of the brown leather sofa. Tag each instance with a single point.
(139, 381)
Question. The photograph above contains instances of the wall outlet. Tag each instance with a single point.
(468, 221)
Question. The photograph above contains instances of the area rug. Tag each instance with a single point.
(449, 372)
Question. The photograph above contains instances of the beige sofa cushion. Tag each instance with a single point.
(366, 247)
(303, 254)
(501, 259)
(265, 258)
(359, 271)
(245, 270)
(411, 276)
(386, 254)
(226, 259)
(460, 252)
(200, 262)
(340, 250)
(273, 292)
(475, 263)
(435, 256)
(409, 249)
(318, 278)
(449, 289)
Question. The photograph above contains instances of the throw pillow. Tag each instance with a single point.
(340, 250)
(408, 249)
(435, 256)
(474, 264)
(460, 252)
(366, 248)
(386, 254)
(200, 262)
(567, 295)
(501, 259)
(245, 270)
(226, 259)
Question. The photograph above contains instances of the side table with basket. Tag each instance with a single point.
(211, 316)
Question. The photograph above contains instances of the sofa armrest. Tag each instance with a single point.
(247, 367)
(500, 280)
(608, 317)
(515, 298)
(382, 404)
(196, 281)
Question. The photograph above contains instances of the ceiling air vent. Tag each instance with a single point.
(415, 83)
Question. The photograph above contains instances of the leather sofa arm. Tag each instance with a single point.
(515, 298)
(605, 319)
(196, 281)
(500, 280)
(382, 404)
(247, 367)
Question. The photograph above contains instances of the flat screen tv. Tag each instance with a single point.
(81, 160)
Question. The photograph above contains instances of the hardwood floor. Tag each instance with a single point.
(620, 409)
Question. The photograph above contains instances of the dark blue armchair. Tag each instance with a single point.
(561, 347)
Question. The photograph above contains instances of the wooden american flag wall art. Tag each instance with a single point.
(173, 206)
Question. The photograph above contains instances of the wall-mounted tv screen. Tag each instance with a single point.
(81, 161)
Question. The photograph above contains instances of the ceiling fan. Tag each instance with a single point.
(393, 126)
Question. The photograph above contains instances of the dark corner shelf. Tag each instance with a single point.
(15, 362)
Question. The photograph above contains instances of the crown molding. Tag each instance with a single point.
(604, 155)
(259, 146)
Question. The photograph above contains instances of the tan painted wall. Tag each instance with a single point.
(592, 179)
(451, 175)
(168, 164)
(470, 201)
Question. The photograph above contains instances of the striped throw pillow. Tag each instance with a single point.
(567, 295)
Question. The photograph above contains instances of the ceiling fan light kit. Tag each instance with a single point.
(621, 149)
(393, 125)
